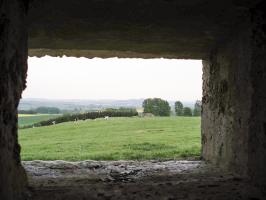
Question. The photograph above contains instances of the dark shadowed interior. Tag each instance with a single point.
(228, 35)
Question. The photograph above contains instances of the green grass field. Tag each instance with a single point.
(28, 119)
(114, 139)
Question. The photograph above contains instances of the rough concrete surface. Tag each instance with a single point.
(13, 68)
(226, 104)
(233, 115)
(229, 35)
(150, 28)
(134, 180)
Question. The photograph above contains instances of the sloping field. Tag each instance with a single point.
(114, 139)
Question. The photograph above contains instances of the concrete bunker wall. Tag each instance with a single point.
(227, 92)
(233, 117)
(233, 122)
(13, 69)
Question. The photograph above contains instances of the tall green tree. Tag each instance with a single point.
(156, 106)
(197, 108)
(187, 112)
(179, 108)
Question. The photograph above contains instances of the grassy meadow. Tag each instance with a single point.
(114, 139)
(29, 119)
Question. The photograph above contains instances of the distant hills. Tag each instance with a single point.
(33, 103)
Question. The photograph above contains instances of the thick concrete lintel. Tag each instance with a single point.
(103, 54)
(161, 28)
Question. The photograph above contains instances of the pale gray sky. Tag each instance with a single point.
(113, 78)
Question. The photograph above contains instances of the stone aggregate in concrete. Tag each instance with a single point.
(135, 180)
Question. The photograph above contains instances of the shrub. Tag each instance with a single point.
(84, 116)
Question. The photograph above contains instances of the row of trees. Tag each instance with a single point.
(160, 107)
(121, 112)
(180, 110)
(41, 110)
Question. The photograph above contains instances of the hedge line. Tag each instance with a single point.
(83, 116)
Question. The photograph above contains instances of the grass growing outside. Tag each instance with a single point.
(114, 139)
(29, 119)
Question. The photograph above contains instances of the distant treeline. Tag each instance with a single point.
(41, 110)
(29, 112)
(54, 110)
(121, 112)
(160, 107)
(180, 110)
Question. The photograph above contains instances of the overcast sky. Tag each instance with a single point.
(113, 78)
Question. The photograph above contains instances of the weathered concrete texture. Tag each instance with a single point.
(233, 121)
(134, 180)
(257, 129)
(63, 173)
(13, 67)
(228, 34)
(226, 103)
(150, 28)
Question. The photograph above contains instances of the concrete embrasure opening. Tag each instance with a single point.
(62, 174)
(144, 179)
(121, 84)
